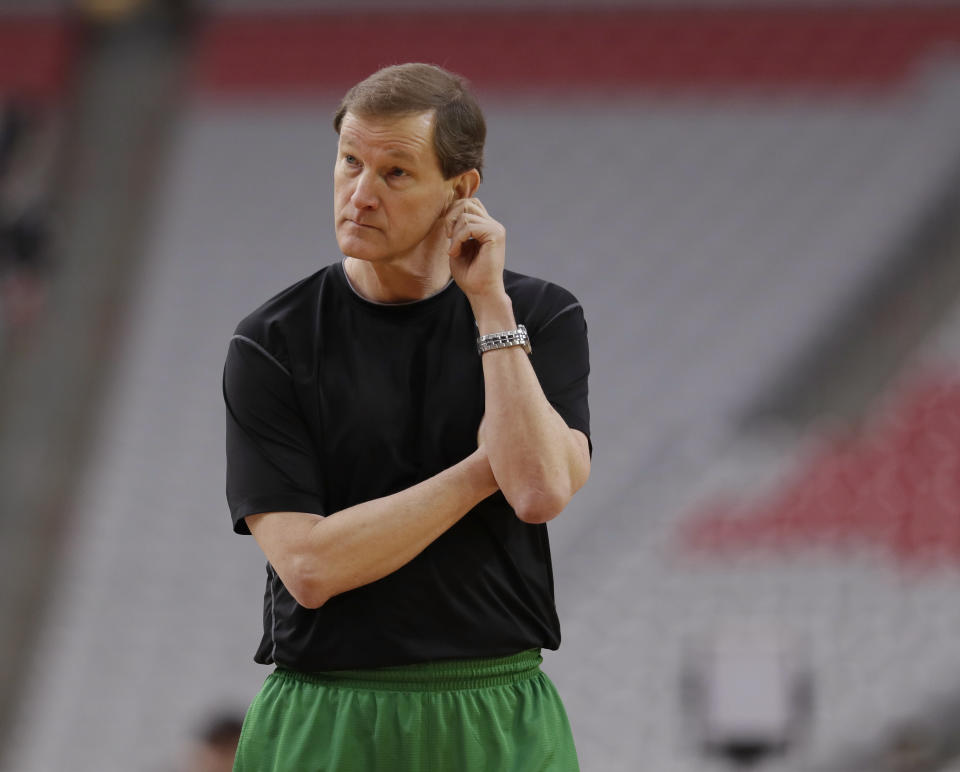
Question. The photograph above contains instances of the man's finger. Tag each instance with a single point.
(478, 204)
(470, 227)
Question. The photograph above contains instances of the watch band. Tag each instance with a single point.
(505, 339)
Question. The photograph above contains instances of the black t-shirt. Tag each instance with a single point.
(333, 400)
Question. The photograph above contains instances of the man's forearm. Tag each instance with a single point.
(319, 557)
(537, 460)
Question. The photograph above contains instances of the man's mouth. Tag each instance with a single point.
(360, 224)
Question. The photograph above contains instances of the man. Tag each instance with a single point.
(395, 447)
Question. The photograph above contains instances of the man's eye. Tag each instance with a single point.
(350, 159)
(397, 172)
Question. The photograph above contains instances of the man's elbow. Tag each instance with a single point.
(541, 503)
(307, 595)
(307, 586)
(537, 507)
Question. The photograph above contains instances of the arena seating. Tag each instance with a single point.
(892, 487)
(710, 236)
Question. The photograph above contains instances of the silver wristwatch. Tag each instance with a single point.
(505, 339)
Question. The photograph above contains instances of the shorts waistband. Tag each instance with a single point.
(446, 675)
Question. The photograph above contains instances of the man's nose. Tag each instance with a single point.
(365, 195)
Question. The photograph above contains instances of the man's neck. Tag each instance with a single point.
(396, 281)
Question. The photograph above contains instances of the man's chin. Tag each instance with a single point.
(358, 251)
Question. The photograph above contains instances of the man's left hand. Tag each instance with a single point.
(477, 248)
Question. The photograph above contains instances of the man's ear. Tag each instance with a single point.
(466, 184)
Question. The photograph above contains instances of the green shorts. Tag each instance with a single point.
(481, 715)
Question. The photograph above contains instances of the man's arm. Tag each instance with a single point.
(537, 460)
(319, 557)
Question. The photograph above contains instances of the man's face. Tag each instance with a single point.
(389, 192)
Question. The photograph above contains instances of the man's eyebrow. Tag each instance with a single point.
(397, 153)
(401, 154)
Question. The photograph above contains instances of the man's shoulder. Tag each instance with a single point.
(283, 324)
(536, 299)
(283, 309)
(524, 286)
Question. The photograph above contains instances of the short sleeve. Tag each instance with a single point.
(561, 360)
(272, 462)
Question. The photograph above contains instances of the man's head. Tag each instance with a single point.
(459, 130)
(411, 143)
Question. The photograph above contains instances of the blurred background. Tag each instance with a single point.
(757, 204)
